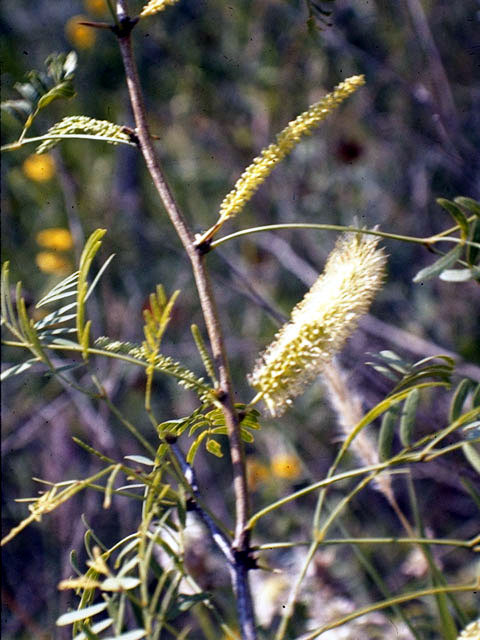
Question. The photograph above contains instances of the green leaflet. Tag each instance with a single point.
(387, 431)
(407, 418)
(43, 88)
(440, 265)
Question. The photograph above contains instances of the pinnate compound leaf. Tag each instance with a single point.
(43, 88)
(18, 368)
(67, 287)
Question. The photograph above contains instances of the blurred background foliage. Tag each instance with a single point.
(221, 79)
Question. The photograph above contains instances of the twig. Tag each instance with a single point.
(238, 569)
(209, 309)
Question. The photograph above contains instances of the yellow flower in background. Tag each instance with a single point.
(257, 473)
(55, 238)
(287, 466)
(97, 7)
(50, 262)
(321, 323)
(79, 35)
(39, 168)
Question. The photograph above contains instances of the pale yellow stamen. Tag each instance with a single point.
(321, 323)
(155, 6)
(261, 167)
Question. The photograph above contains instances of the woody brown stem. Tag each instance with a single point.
(210, 314)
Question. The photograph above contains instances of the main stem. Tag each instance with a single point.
(210, 313)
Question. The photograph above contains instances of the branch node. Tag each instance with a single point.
(190, 504)
(125, 26)
(245, 559)
(202, 247)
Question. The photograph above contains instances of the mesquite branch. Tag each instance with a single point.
(210, 313)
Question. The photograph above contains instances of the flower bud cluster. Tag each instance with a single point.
(155, 6)
(83, 124)
(263, 165)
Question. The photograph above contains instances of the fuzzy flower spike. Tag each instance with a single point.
(321, 323)
(262, 166)
(155, 6)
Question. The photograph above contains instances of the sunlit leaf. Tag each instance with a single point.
(119, 583)
(135, 634)
(81, 614)
(18, 368)
(141, 460)
(472, 454)
(459, 275)
(95, 628)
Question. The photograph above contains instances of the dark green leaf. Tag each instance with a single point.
(440, 265)
(459, 397)
(473, 252)
(63, 90)
(385, 438)
(472, 454)
(407, 418)
(472, 206)
(457, 214)
(184, 602)
(476, 397)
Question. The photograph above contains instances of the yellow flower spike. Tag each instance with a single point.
(263, 165)
(155, 6)
(50, 262)
(321, 323)
(39, 168)
(471, 631)
(79, 35)
(55, 238)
